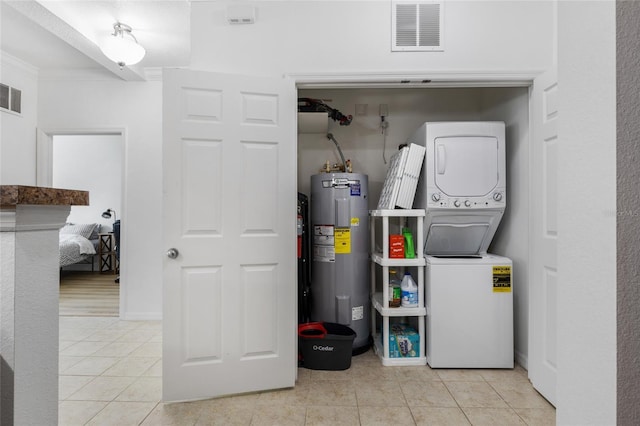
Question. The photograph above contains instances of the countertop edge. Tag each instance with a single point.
(13, 195)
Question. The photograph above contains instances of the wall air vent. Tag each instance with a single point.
(416, 25)
(10, 99)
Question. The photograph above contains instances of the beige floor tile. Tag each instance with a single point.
(415, 373)
(385, 416)
(224, 415)
(90, 366)
(332, 393)
(293, 396)
(281, 415)
(249, 400)
(144, 389)
(153, 325)
(178, 414)
(157, 338)
(86, 322)
(65, 362)
(493, 417)
(320, 375)
(519, 394)
(119, 349)
(148, 349)
(83, 348)
(68, 385)
(137, 335)
(124, 325)
(538, 416)
(475, 394)
(304, 376)
(64, 344)
(371, 370)
(123, 413)
(102, 389)
(460, 375)
(439, 416)
(132, 367)
(332, 416)
(107, 335)
(427, 394)
(72, 413)
(515, 374)
(155, 370)
(379, 393)
(75, 335)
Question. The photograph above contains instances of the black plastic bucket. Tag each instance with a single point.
(325, 345)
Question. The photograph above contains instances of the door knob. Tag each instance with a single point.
(172, 253)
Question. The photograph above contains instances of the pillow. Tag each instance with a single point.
(84, 229)
(96, 232)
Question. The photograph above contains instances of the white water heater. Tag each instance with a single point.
(340, 257)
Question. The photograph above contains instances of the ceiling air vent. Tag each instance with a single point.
(10, 99)
(416, 25)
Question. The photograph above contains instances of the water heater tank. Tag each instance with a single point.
(340, 257)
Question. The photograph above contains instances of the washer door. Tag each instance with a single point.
(466, 166)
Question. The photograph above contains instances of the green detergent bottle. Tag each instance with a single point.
(409, 251)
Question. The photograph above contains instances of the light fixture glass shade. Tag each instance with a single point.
(122, 48)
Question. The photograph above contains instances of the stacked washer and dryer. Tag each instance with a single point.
(469, 297)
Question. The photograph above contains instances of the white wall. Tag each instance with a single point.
(90, 163)
(137, 108)
(352, 36)
(18, 132)
(586, 382)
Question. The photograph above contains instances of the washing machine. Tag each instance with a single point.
(469, 319)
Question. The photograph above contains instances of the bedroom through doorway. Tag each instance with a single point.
(90, 240)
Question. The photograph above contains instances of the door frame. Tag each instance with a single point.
(44, 178)
(425, 80)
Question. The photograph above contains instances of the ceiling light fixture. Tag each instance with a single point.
(122, 47)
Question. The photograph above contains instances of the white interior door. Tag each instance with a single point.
(229, 314)
(542, 360)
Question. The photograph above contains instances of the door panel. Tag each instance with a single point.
(230, 192)
(542, 360)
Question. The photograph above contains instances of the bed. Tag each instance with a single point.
(78, 243)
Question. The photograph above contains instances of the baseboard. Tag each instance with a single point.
(522, 360)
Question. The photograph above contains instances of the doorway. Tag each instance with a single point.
(90, 242)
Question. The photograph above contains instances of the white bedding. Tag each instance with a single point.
(74, 248)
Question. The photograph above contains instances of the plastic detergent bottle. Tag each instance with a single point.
(409, 251)
(395, 292)
(409, 291)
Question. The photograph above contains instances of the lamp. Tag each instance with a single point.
(107, 214)
(122, 47)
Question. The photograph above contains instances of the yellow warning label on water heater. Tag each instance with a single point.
(502, 279)
(355, 221)
(342, 240)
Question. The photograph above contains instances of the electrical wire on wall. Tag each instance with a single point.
(384, 111)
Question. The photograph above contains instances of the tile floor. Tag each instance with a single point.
(111, 374)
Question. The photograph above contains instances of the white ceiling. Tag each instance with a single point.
(64, 35)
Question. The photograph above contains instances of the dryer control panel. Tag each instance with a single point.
(436, 199)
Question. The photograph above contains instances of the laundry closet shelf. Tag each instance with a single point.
(376, 299)
(397, 213)
(388, 261)
(404, 361)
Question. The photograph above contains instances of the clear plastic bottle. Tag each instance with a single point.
(409, 291)
(395, 292)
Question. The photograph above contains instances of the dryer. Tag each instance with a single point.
(463, 185)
